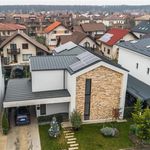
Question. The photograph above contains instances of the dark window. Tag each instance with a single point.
(87, 99)
(148, 70)
(13, 46)
(108, 51)
(54, 32)
(104, 49)
(25, 46)
(42, 109)
(53, 39)
(137, 65)
(87, 44)
(66, 31)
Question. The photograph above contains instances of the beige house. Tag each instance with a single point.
(18, 48)
(53, 32)
(110, 38)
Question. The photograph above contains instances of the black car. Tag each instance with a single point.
(22, 116)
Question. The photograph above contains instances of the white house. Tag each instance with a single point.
(79, 38)
(135, 57)
(109, 40)
(53, 31)
(17, 49)
(62, 83)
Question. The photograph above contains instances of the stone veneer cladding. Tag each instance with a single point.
(105, 92)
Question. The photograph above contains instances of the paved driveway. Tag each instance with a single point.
(24, 137)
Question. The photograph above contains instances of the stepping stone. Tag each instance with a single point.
(69, 134)
(73, 148)
(66, 131)
(71, 142)
(68, 137)
(74, 145)
(72, 139)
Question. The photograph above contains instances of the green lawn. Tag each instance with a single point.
(90, 138)
(48, 143)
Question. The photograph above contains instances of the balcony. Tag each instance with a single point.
(13, 51)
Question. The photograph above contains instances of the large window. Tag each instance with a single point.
(87, 99)
(108, 51)
(43, 109)
(25, 46)
(26, 57)
(13, 46)
(53, 39)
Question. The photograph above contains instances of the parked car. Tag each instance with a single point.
(22, 116)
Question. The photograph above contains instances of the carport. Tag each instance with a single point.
(19, 93)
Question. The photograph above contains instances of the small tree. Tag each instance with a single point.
(76, 120)
(5, 124)
(54, 130)
(141, 119)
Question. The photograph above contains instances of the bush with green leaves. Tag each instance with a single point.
(76, 120)
(5, 124)
(108, 131)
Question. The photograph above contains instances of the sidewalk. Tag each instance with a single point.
(3, 142)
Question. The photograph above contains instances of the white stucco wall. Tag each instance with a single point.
(19, 41)
(47, 80)
(54, 109)
(128, 59)
(87, 39)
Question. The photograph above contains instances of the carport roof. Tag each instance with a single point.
(21, 90)
(138, 88)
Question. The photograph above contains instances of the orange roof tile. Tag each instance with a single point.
(52, 26)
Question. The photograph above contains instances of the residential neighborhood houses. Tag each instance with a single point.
(69, 70)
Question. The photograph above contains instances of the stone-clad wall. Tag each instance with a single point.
(105, 92)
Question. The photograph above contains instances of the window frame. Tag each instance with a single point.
(23, 44)
(27, 59)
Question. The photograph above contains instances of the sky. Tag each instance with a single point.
(75, 2)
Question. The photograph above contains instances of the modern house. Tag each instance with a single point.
(79, 38)
(135, 56)
(61, 84)
(143, 28)
(109, 40)
(52, 33)
(18, 48)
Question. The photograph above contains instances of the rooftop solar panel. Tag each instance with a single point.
(106, 37)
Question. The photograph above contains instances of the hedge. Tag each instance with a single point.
(5, 124)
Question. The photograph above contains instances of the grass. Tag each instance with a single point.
(90, 138)
(49, 143)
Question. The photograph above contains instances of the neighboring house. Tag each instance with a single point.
(135, 56)
(142, 18)
(18, 48)
(7, 29)
(81, 20)
(2, 86)
(93, 29)
(141, 29)
(79, 38)
(52, 33)
(110, 38)
(61, 84)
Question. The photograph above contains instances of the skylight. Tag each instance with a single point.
(148, 46)
(133, 42)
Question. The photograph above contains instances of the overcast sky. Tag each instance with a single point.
(75, 2)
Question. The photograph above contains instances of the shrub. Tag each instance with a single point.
(76, 120)
(108, 131)
(5, 124)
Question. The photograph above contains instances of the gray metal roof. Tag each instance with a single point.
(141, 46)
(20, 90)
(52, 62)
(138, 88)
(73, 51)
(142, 27)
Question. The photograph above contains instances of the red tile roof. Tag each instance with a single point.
(11, 27)
(117, 33)
(52, 26)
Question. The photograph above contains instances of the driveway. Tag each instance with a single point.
(24, 137)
